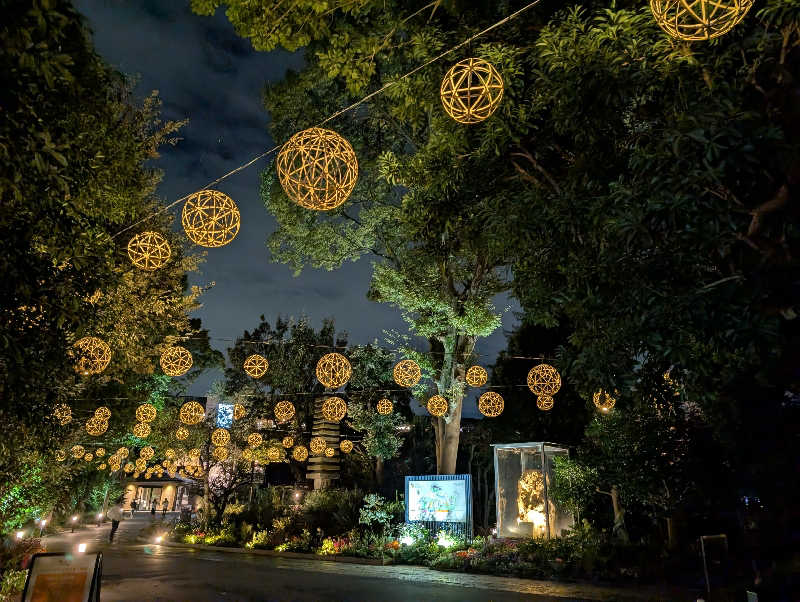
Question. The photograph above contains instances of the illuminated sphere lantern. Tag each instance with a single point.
(254, 439)
(384, 407)
(476, 376)
(287, 442)
(490, 404)
(238, 411)
(334, 409)
(256, 365)
(544, 402)
(697, 20)
(96, 427)
(149, 251)
(247, 454)
(102, 413)
(192, 413)
(544, 380)
(333, 370)
(318, 169)
(220, 453)
(62, 413)
(88, 457)
(146, 452)
(176, 361)
(169, 453)
(61, 455)
(77, 451)
(604, 401)
(92, 355)
(129, 466)
(300, 453)
(210, 218)
(140, 464)
(284, 411)
(146, 413)
(317, 445)
(407, 373)
(471, 90)
(194, 453)
(102, 466)
(123, 452)
(329, 452)
(182, 433)
(100, 452)
(141, 430)
(274, 454)
(437, 406)
(220, 437)
(345, 446)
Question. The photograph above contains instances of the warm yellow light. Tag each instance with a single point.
(77, 451)
(544, 380)
(544, 402)
(149, 250)
(254, 439)
(238, 411)
(476, 376)
(96, 427)
(288, 442)
(176, 360)
(471, 90)
(274, 454)
(300, 453)
(333, 370)
(146, 453)
(92, 355)
(384, 406)
(603, 400)
(334, 409)
(317, 169)
(329, 452)
(317, 445)
(491, 404)
(284, 411)
(407, 373)
(182, 433)
(63, 413)
(256, 365)
(696, 20)
(146, 413)
(438, 405)
(210, 218)
(220, 437)
(192, 412)
(102, 413)
(220, 453)
(346, 446)
(141, 430)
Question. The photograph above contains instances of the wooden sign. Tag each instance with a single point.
(64, 578)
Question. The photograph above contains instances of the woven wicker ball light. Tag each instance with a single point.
(102, 413)
(220, 453)
(274, 454)
(491, 404)
(92, 355)
(300, 453)
(329, 452)
(318, 169)
(476, 376)
(696, 20)
(62, 413)
(345, 446)
(176, 361)
(544, 402)
(238, 411)
(384, 406)
(407, 373)
(437, 406)
(146, 452)
(141, 430)
(194, 453)
(96, 427)
(317, 445)
(77, 451)
(543, 379)
(210, 218)
(604, 401)
(100, 452)
(284, 411)
(333, 370)
(334, 409)
(256, 365)
(220, 437)
(254, 439)
(123, 452)
(182, 433)
(471, 90)
(129, 467)
(191, 413)
(146, 413)
(149, 251)
(170, 454)
(287, 442)
(88, 457)
(247, 454)
(61, 455)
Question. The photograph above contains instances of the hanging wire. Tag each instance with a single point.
(358, 103)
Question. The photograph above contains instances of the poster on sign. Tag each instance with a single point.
(437, 501)
(63, 578)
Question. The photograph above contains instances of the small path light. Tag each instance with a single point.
(81, 548)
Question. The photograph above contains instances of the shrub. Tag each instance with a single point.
(298, 543)
(13, 583)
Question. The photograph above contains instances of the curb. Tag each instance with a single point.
(273, 553)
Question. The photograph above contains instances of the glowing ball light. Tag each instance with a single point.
(284, 411)
(149, 251)
(192, 412)
(407, 373)
(333, 370)
(471, 90)
(334, 409)
(491, 404)
(384, 407)
(256, 365)
(176, 360)
(438, 406)
(210, 218)
(92, 355)
(476, 376)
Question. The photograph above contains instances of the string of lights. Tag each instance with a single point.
(338, 113)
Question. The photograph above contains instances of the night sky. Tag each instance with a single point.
(206, 73)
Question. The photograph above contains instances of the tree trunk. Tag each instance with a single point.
(620, 531)
(672, 538)
(378, 472)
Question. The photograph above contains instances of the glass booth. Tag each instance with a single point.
(522, 474)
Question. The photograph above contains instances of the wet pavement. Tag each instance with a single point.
(138, 571)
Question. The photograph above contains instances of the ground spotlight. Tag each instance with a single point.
(81, 548)
(20, 534)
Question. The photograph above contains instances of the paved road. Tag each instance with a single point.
(134, 571)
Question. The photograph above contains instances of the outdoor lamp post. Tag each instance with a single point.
(99, 518)
(42, 523)
(74, 520)
(20, 534)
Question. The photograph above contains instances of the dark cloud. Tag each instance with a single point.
(206, 73)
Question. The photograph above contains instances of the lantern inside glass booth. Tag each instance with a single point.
(522, 474)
